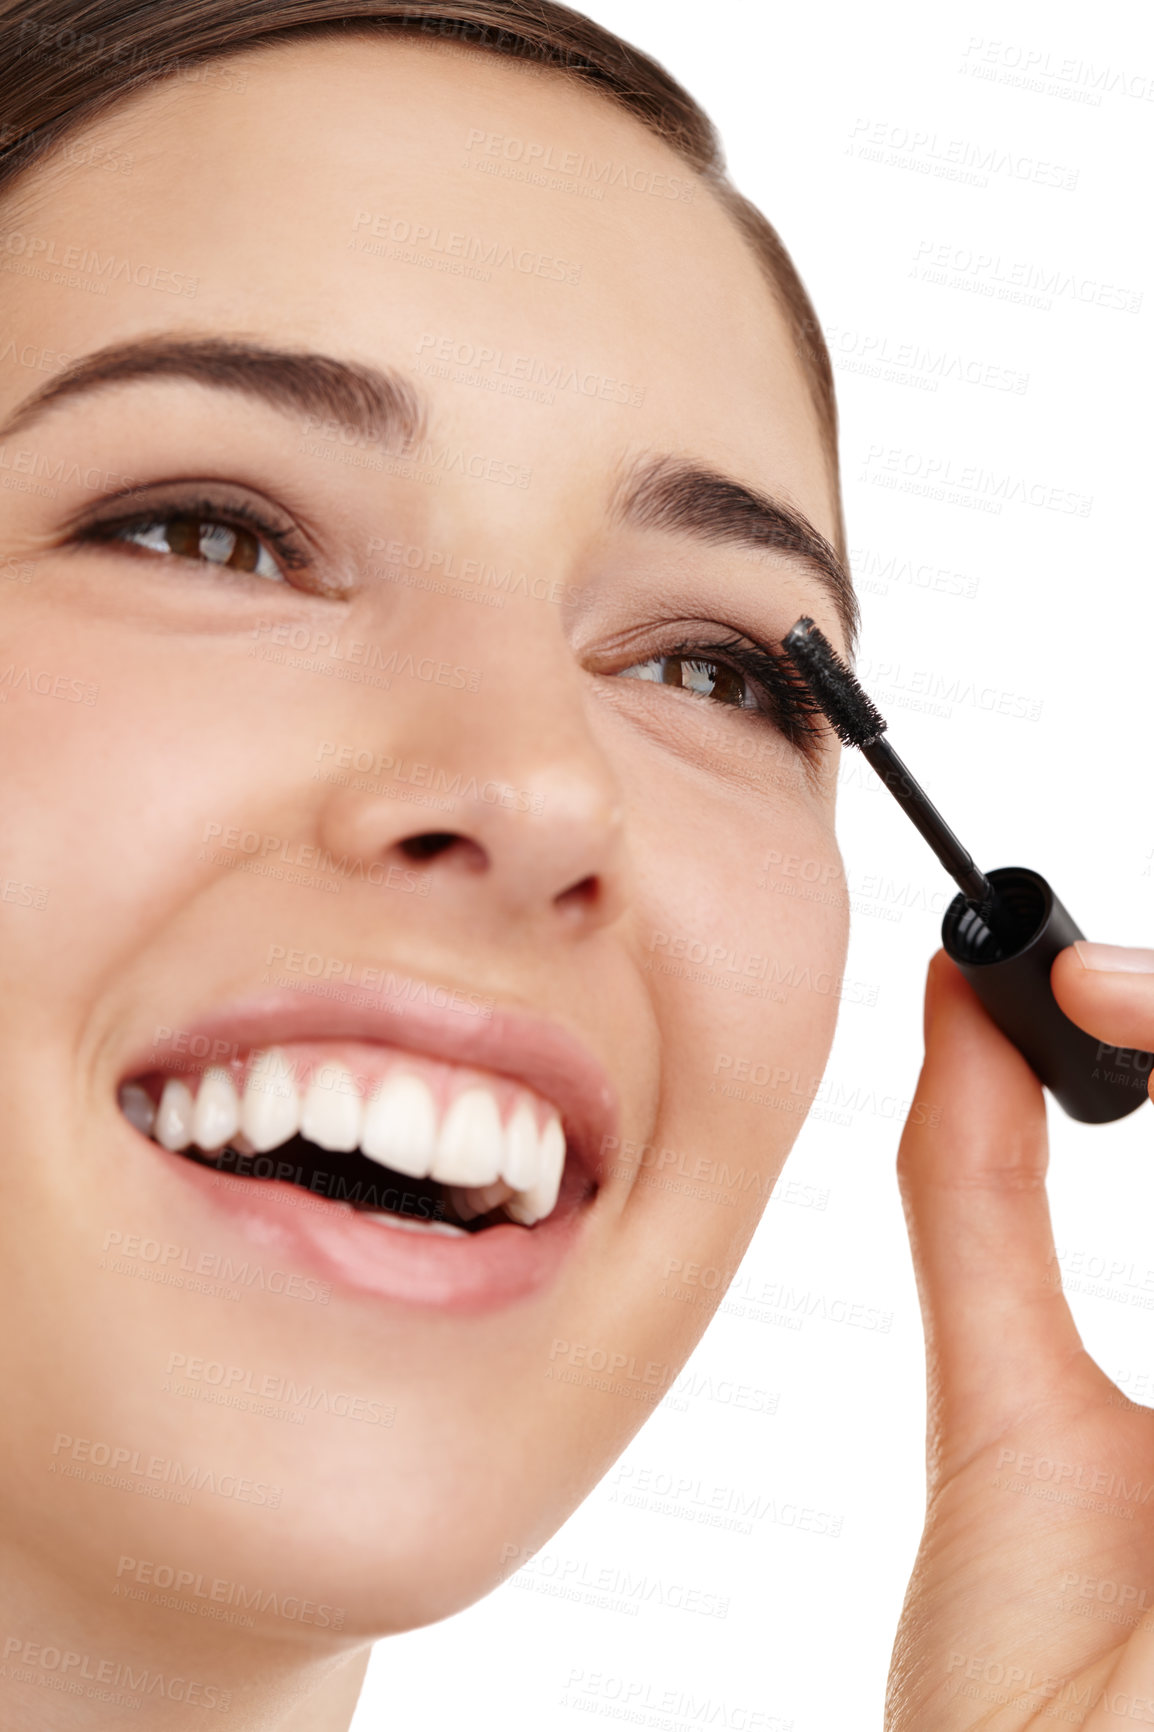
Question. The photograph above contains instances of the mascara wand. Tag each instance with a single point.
(856, 722)
(1004, 929)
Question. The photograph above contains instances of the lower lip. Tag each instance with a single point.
(475, 1273)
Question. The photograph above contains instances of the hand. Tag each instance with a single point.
(1040, 1472)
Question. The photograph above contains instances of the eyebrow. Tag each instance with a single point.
(374, 401)
(687, 498)
(659, 492)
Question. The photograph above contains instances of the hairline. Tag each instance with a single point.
(697, 146)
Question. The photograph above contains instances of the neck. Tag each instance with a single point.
(78, 1662)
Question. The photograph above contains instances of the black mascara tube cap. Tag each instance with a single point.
(1010, 972)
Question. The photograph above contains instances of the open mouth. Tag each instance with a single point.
(412, 1143)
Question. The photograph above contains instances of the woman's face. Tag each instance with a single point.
(372, 784)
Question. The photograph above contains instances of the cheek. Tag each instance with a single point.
(110, 819)
(742, 930)
(120, 771)
(742, 938)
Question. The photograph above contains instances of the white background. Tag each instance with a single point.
(840, 121)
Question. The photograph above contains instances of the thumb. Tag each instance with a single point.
(972, 1169)
(1108, 990)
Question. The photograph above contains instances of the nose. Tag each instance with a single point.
(515, 815)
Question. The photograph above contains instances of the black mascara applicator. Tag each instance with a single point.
(1003, 929)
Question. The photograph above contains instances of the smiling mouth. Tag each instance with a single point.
(412, 1143)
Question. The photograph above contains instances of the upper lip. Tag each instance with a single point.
(531, 1049)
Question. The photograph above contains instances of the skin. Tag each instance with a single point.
(667, 801)
(1004, 1627)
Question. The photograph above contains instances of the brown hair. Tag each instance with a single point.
(62, 62)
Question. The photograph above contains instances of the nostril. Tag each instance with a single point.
(428, 845)
(582, 896)
(431, 844)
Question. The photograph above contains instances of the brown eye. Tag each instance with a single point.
(202, 538)
(708, 679)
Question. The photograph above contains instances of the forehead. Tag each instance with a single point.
(439, 210)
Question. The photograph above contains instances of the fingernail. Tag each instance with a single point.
(1114, 958)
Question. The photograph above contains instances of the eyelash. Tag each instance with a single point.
(238, 515)
(785, 705)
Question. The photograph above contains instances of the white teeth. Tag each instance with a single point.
(271, 1110)
(173, 1127)
(519, 1168)
(216, 1116)
(492, 1196)
(331, 1114)
(400, 1127)
(486, 1165)
(137, 1107)
(540, 1198)
(408, 1225)
(469, 1201)
(472, 1143)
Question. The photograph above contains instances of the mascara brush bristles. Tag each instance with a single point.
(849, 711)
(856, 722)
